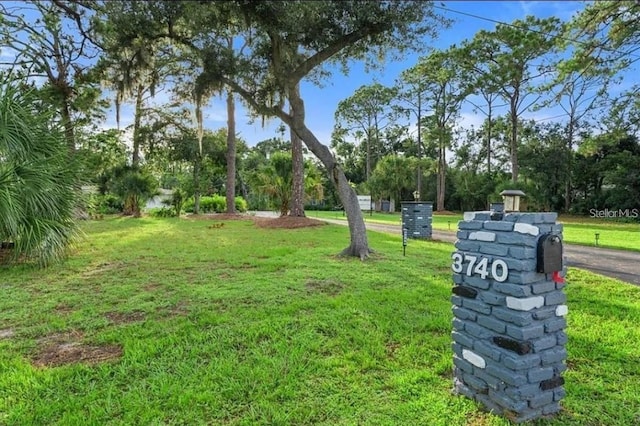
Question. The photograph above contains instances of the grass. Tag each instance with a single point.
(238, 325)
(577, 229)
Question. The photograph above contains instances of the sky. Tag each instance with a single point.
(321, 102)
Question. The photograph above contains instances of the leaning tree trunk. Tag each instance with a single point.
(231, 154)
(297, 190)
(358, 232)
(514, 141)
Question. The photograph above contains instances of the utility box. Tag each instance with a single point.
(417, 218)
(509, 313)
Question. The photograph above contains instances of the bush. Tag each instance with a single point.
(104, 204)
(162, 212)
(214, 204)
(241, 205)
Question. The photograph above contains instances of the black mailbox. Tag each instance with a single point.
(549, 254)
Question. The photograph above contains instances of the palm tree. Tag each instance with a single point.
(37, 180)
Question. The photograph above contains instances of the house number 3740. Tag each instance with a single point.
(480, 266)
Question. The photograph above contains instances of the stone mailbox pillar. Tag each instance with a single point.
(417, 217)
(509, 319)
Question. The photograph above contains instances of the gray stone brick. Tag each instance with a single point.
(457, 278)
(515, 317)
(549, 217)
(508, 376)
(461, 389)
(457, 349)
(464, 314)
(525, 333)
(494, 249)
(544, 343)
(498, 225)
(465, 245)
(463, 339)
(476, 305)
(527, 415)
(551, 409)
(515, 290)
(491, 298)
(543, 287)
(554, 325)
(543, 398)
(525, 265)
(456, 300)
(523, 392)
(477, 282)
(557, 228)
(560, 286)
(522, 252)
(470, 224)
(460, 325)
(492, 381)
(537, 375)
(525, 277)
(489, 404)
(521, 362)
(486, 350)
(558, 394)
(506, 402)
(544, 313)
(482, 216)
(531, 218)
(510, 238)
(462, 235)
(492, 323)
(553, 356)
(477, 331)
(559, 367)
(562, 338)
(475, 383)
(544, 229)
(462, 364)
(555, 298)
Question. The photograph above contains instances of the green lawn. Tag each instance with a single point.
(238, 325)
(577, 230)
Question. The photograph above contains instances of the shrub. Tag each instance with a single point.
(241, 205)
(162, 212)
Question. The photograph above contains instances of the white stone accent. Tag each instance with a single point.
(468, 216)
(562, 310)
(474, 358)
(525, 304)
(482, 236)
(525, 228)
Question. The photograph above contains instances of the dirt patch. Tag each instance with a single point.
(328, 287)
(63, 309)
(180, 309)
(287, 222)
(218, 216)
(67, 348)
(7, 333)
(124, 317)
(103, 267)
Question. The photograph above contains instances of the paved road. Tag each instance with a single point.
(620, 264)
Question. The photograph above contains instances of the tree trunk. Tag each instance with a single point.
(567, 186)
(231, 154)
(419, 177)
(358, 232)
(135, 161)
(489, 129)
(514, 141)
(297, 191)
(442, 164)
(68, 126)
(196, 185)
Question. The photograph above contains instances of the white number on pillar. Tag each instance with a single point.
(499, 268)
(456, 266)
(481, 268)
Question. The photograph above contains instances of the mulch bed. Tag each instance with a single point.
(287, 222)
